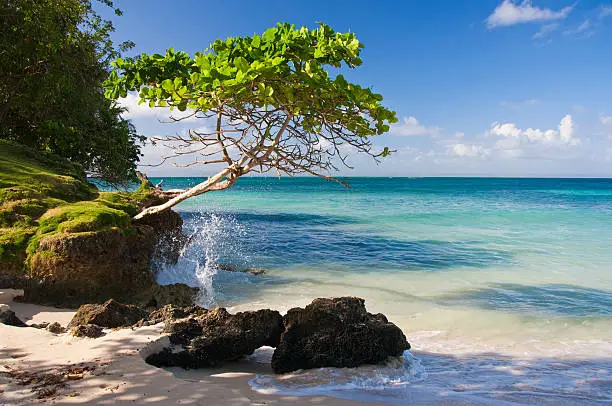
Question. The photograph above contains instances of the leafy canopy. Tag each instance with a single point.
(54, 56)
(284, 68)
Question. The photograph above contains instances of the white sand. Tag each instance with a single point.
(121, 375)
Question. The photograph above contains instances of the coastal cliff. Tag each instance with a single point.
(66, 243)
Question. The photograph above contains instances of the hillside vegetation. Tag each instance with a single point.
(43, 195)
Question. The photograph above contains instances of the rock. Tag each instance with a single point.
(87, 330)
(177, 294)
(8, 317)
(255, 271)
(171, 313)
(75, 268)
(110, 314)
(336, 332)
(42, 325)
(234, 268)
(56, 328)
(168, 226)
(218, 336)
(70, 269)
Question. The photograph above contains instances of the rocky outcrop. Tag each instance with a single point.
(110, 314)
(70, 269)
(336, 332)
(8, 317)
(218, 336)
(169, 237)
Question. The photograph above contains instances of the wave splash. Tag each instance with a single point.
(213, 239)
(395, 374)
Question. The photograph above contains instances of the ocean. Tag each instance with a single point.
(502, 286)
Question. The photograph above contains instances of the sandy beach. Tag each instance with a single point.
(118, 373)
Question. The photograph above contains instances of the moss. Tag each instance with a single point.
(42, 195)
(119, 201)
(13, 243)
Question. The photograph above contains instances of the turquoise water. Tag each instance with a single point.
(519, 269)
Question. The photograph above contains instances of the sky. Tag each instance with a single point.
(481, 88)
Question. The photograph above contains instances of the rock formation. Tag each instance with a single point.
(110, 314)
(336, 332)
(218, 336)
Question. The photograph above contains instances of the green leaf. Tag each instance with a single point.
(167, 85)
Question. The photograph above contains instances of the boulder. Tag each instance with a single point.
(336, 332)
(110, 314)
(177, 294)
(8, 317)
(87, 330)
(56, 328)
(218, 336)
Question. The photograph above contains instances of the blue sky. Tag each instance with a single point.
(487, 88)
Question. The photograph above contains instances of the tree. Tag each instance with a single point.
(270, 99)
(54, 57)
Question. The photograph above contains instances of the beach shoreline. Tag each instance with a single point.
(111, 370)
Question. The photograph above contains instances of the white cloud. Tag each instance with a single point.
(410, 126)
(546, 30)
(469, 150)
(605, 120)
(511, 13)
(134, 110)
(564, 134)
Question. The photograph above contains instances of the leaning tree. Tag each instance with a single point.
(269, 101)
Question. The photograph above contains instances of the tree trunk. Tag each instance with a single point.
(215, 182)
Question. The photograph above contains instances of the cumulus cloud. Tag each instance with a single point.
(510, 13)
(410, 126)
(563, 134)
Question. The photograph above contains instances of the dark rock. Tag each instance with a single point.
(56, 328)
(218, 336)
(227, 267)
(42, 325)
(177, 294)
(168, 226)
(255, 271)
(8, 317)
(336, 332)
(234, 268)
(87, 330)
(170, 313)
(110, 314)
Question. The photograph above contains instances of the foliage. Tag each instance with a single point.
(54, 55)
(273, 101)
(43, 195)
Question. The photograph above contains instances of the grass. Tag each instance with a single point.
(43, 195)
